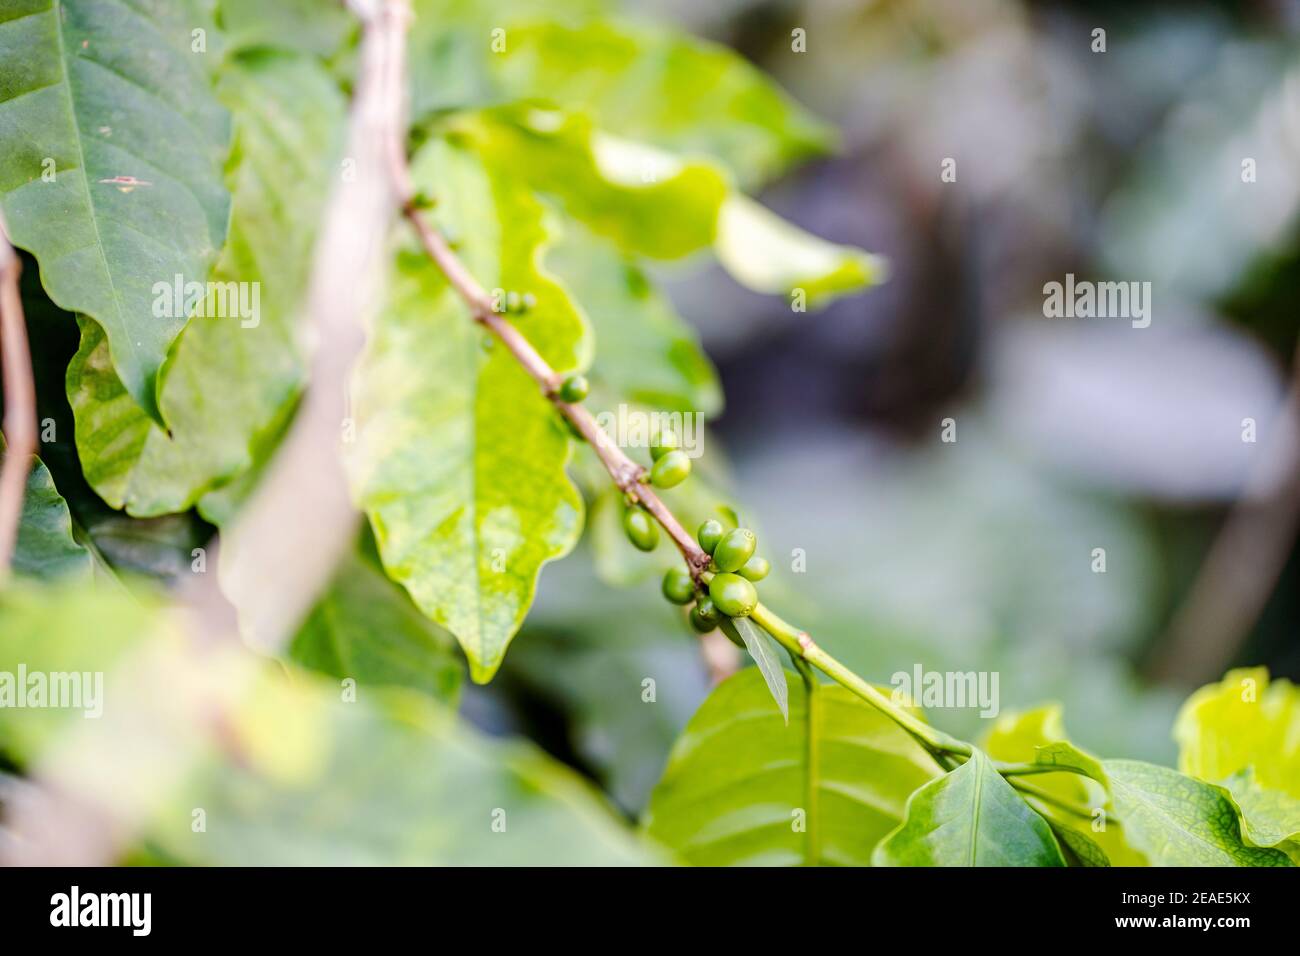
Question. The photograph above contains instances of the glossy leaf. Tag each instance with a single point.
(1168, 817)
(767, 654)
(364, 627)
(740, 787)
(969, 817)
(460, 460)
(111, 150)
(234, 377)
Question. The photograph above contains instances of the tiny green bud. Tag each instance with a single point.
(641, 529)
(671, 469)
(573, 388)
(732, 594)
(678, 586)
(755, 569)
(710, 534)
(735, 548)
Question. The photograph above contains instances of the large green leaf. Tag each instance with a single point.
(460, 460)
(311, 26)
(233, 378)
(742, 787)
(1168, 817)
(114, 100)
(969, 817)
(364, 627)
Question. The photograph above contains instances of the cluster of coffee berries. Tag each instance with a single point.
(730, 580)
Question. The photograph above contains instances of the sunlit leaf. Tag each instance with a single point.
(744, 788)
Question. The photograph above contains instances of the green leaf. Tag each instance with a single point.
(1034, 736)
(644, 200)
(767, 254)
(233, 378)
(969, 817)
(744, 788)
(460, 460)
(46, 548)
(766, 654)
(1243, 722)
(1168, 817)
(110, 98)
(364, 627)
(661, 87)
(650, 203)
(645, 354)
(1268, 817)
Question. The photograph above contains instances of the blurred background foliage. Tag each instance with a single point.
(1072, 434)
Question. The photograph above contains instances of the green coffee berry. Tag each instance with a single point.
(641, 529)
(671, 469)
(573, 388)
(710, 534)
(735, 548)
(678, 586)
(704, 616)
(732, 594)
(663, 443)
(755, 569)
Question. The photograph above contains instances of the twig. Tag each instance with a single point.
(625, 472)
(19, 401)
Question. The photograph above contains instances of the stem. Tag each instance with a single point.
(1038, 793)
(1023, 769)
(801, 646)
(19, 402)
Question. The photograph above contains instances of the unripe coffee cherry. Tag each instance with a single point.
(678, 586)
(755, 569)
(573, 388)
(704, 616)
(732, 594)
(663, 443)
(735, 548)
(710, 534)
(670, 470)
(641, 529)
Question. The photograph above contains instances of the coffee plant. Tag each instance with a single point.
(173, 174)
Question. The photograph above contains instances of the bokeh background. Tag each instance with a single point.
(1072, 434)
